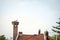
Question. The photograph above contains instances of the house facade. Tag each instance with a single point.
(20, 36)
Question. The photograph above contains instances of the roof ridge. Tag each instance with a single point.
(33, 36)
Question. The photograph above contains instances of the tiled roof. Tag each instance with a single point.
(31, 37)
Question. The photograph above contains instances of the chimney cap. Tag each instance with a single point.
(20, 32)
(15, 22)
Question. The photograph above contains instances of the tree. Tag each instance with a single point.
(53, 38)
(2, 37)
(57, 29)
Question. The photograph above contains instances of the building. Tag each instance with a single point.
(22, 36)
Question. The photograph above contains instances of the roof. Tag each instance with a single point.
(31, 37)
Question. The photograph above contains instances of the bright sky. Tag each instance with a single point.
(31, 14)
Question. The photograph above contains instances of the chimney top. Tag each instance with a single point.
(20, 33)
(46, 33)
(15, 22)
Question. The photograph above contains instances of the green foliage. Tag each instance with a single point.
(57, 28)
(58, 37)
(2, 37)
(53, 38)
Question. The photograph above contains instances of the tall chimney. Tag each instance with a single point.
(39, 32)
(15, 29)
(46, 35)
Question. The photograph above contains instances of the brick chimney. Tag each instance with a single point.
(15, 29)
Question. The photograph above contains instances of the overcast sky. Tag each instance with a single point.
(31, 14)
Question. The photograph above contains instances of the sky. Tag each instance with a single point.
(31, 14)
